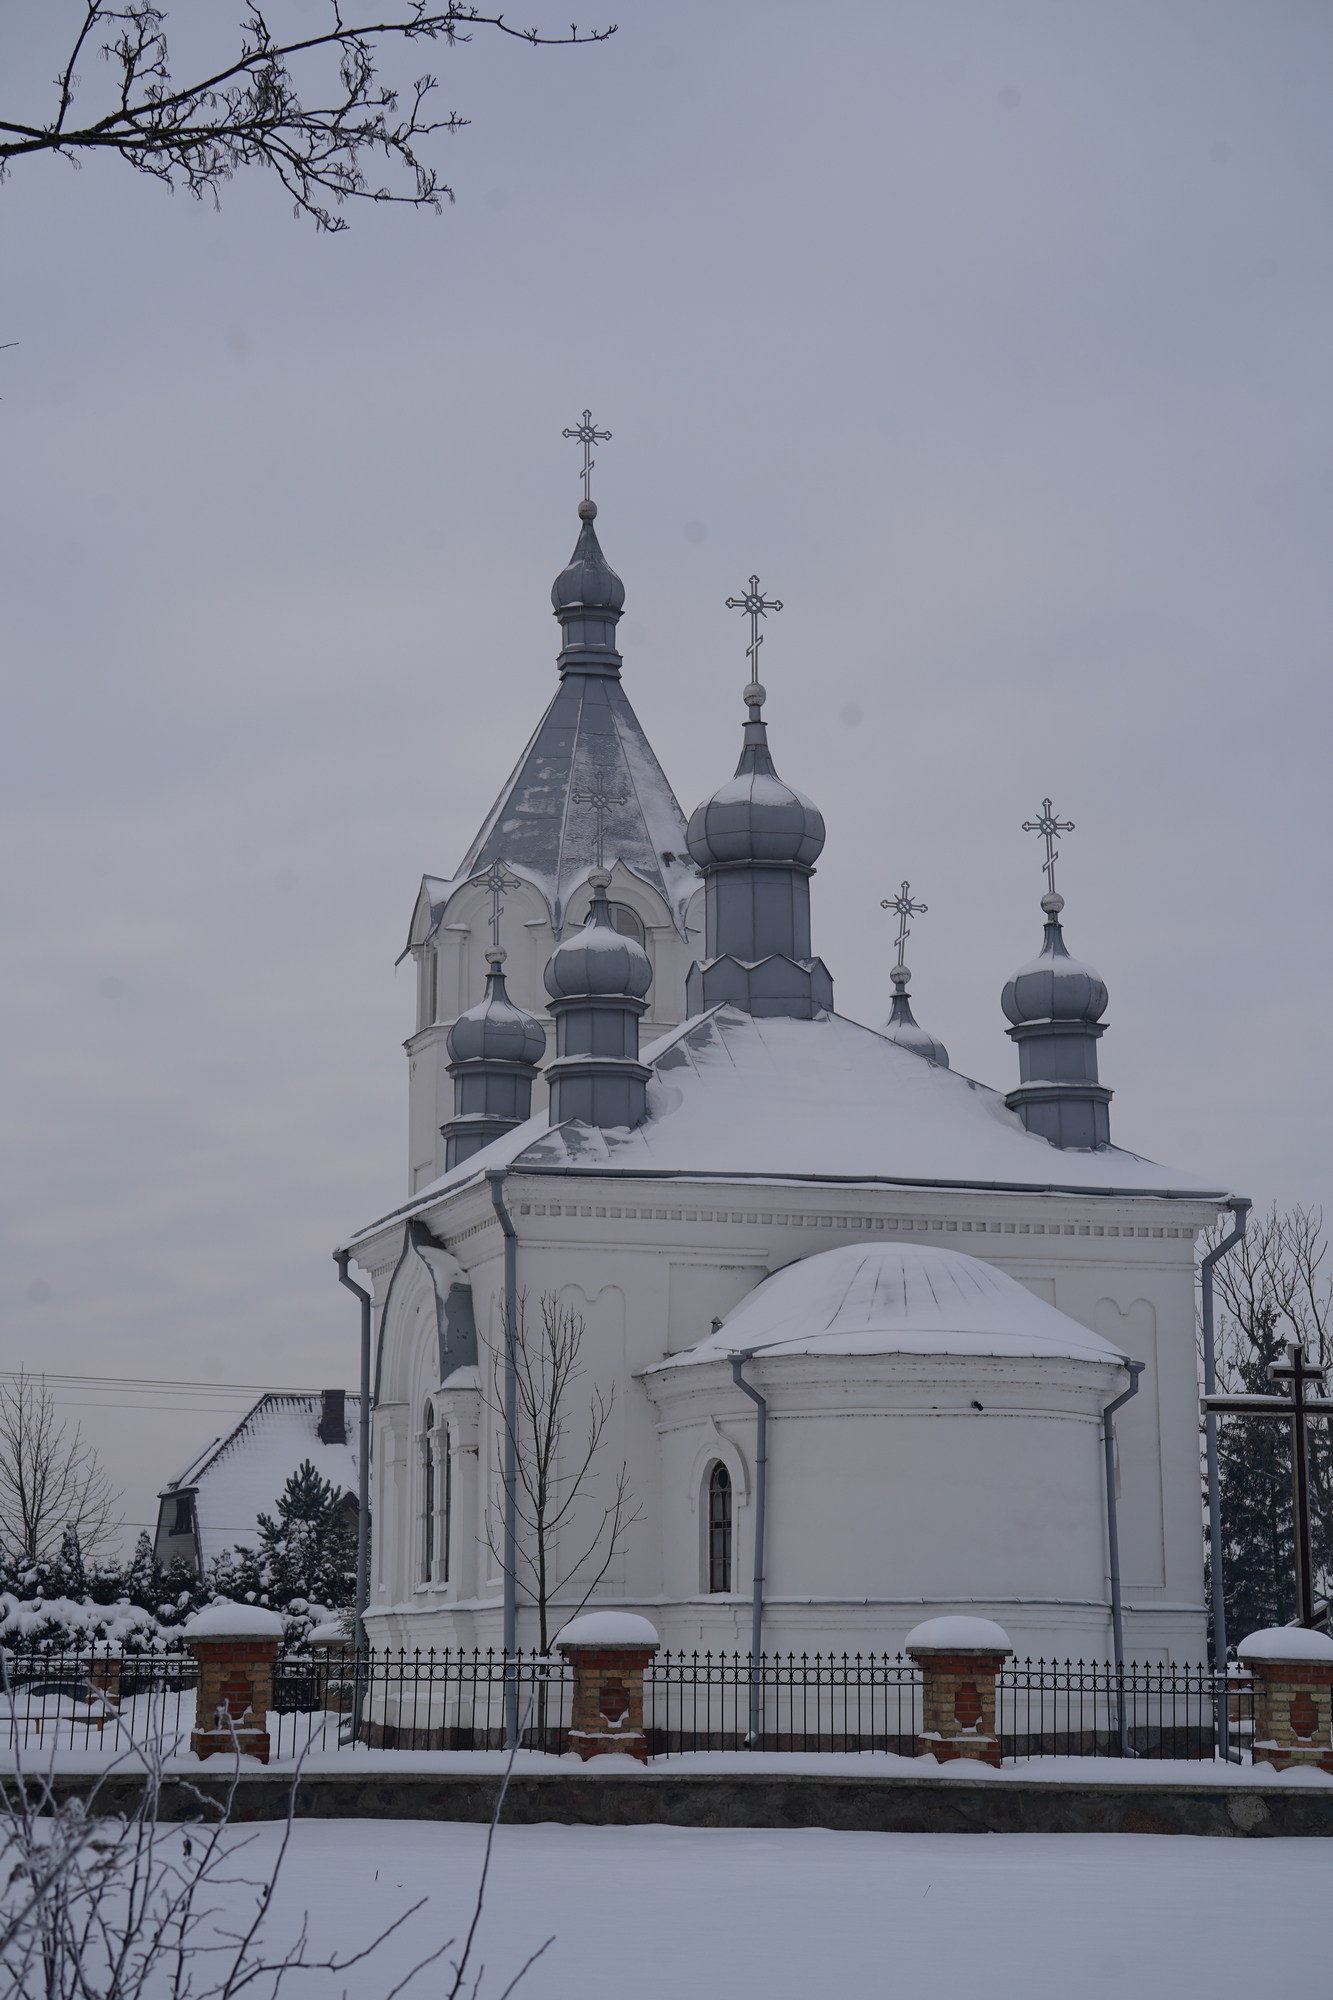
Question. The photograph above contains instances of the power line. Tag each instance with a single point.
(139, 1382)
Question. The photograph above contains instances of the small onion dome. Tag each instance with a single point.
(497, 1030)
(1054, 986)
(588, 578)
(598, 960)
(902, 1026)
(755, 816)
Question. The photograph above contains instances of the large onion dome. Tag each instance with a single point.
(755, 815)
(496, 1030)
(1053, 986)
(598, 960)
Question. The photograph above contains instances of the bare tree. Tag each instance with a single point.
(50, 1483)
(106, 1906)
(547, 1367)
(1275, 1287)
(256, 108)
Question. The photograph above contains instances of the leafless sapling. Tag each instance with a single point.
(50, 1481)
(555, 1446)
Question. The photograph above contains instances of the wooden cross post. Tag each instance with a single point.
(1294, 1408)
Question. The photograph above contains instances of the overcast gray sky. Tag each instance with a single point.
(996, 337)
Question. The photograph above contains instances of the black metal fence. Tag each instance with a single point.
(330, 1700)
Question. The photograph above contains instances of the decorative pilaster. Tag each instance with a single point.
(959, 1659)
(236, 1646)
(1293, 1696)
(608, 1651)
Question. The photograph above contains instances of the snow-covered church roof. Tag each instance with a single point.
(894, 1298)
(735, 1096)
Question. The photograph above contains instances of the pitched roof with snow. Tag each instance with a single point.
(732, 1096)
(894, 1298)
(241, 1476)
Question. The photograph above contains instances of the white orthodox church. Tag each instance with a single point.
(628, 1055)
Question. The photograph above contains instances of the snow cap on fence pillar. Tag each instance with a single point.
(959, 1658)
(608, 1651)
(1293, 1696)
(236, 1646)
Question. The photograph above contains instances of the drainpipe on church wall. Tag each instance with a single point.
(1241, 1210)
(1135, 1369)
(760, 1494)
(496, 1177)
(341, 1258)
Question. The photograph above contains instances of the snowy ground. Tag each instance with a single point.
(660, 1913)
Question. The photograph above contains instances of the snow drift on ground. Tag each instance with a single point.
(663, 1912)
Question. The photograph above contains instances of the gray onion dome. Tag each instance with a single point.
(755, 816)
(588, 579)
(598, 961)
(904, 1028)
(497, 1030)
(1053, 986)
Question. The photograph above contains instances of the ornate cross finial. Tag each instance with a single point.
(498, 881)
(758, 606)
(1050, 828)
(588, 435)
(906, 908)
(599, 800)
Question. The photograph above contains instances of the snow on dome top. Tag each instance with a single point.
(755, 816)
(225, 1620)
(598, 960)
(607, 1628)
(1285, 1642)
(896, 1298)
(1053, 986)
(496, 1030)
(961, 1633)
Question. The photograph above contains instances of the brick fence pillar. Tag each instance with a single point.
(104, 1668)
(959, 1659)
(608, 1651)
(1293, 1696)
(236, 1646)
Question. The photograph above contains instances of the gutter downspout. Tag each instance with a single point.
(1241, 1210)
(341, 1258)
(1135, 1369)
(496, 1176)
(760, 1494)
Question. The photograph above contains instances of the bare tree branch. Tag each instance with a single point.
(50, 1482)
(547, 1366)
(253, 112)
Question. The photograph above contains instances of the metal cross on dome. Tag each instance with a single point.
(498, 881)
(1050, 828)
(906, 908)
(758, 606)
(600, 800)
(588, 435)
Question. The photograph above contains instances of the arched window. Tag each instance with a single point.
(719, 1528)
(428, 1523)
(627, 921)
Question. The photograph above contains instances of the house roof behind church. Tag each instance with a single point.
(242, 1475)
(589, 739)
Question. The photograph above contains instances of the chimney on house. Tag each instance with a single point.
(332, 1421)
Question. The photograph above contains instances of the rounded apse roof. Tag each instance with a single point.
(889, 1298)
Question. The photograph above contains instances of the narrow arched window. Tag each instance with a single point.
(719, 1528)
(428, 1522)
